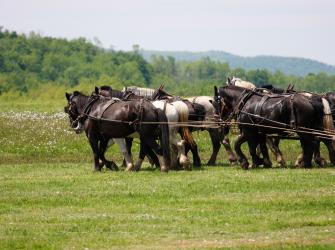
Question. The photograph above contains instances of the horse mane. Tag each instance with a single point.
(140, 91)
(82, 98)
(106, 87)
(160, 93)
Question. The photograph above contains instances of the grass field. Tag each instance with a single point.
(50, 198)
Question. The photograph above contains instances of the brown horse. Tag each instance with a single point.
(261, 114)
(106, 118)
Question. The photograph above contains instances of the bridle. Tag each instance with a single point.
(73, 110)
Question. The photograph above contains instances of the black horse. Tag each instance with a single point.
(106, 118)
(261, 114)
(330, 96)
(328, 102)
(108, 92)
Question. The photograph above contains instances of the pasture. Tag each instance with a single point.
(51, 199)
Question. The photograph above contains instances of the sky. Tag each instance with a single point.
(297, 28)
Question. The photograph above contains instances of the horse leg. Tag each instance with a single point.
(264, 149)
(129, 143)
(141, 157)
(104, 143)
(123, 148)
(180, 145)
(195, 153)
(231, 155)
(183, 160)
(152, 157)
(95, 149)
(242, 159)
(307, 145)
(146, 151)
(317, 155)
(253, 141)
(273, 144)
(151, 143)
(174, 155)
(331, 150)
(299, 161)
(226, 143)
(215, 138)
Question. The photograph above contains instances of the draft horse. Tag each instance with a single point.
(261, 114)
(107, 118)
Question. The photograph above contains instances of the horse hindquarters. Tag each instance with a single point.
(164, 139)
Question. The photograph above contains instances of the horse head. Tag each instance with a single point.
(219, 104)
(76, 102)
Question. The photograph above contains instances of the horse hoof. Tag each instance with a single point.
(321, 162)
(130, 167)
(164, 169)
(245, 165)
(197, 164)
(267, 164)
(211, 163)
(253, 166)
(232, 159)
(115, 167)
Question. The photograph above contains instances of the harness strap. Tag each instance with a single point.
(246, 94)
(259, 105)
(292, 120)
(104, 107)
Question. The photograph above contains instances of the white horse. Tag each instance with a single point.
(240, 83)
(175, 112)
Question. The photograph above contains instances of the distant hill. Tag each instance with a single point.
(288, 65)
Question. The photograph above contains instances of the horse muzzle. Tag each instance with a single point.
(77, 127)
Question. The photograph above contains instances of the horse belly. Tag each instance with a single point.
(113, 130)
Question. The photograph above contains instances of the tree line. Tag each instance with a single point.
(28, 62)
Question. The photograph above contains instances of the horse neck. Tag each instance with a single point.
(234, 95)
(82, 102)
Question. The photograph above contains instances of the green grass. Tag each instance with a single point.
(50, 198)
(52, 206)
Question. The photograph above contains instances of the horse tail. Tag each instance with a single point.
(328, 122)
(164, 137)
(183, 118)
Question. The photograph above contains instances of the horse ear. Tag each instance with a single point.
(96, 90)
(228, 80)
(292, 86)
(216, 92)
(67, 96)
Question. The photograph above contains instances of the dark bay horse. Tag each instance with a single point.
(328, 102)
(107, 118)
(261, 114)
(175, 112)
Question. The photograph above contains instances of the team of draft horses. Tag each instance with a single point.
(263, 115)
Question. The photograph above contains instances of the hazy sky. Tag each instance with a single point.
(304, 28)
